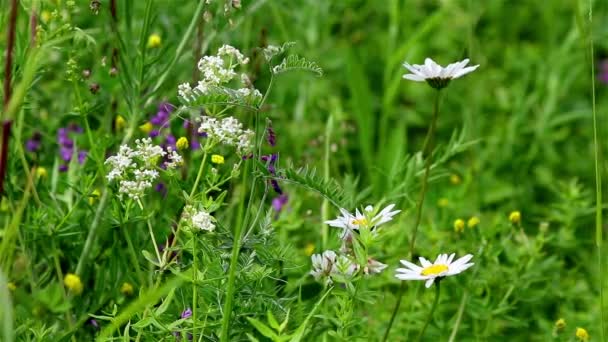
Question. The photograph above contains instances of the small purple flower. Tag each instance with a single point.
(161, 188)
(75, 128)
(94, 323)
(154, 133)
(276, 187)
(186, 313)
(66, 153)
(279, 202)
(32, 145)
(63, 168)
(195, 145)
(82, 155)
(271, 136)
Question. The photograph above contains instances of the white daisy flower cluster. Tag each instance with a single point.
(327, 265)
(228, 131)
(435, 75)
(136, 169)
(352, 222)
(198, 219)
(443, 266)
(217, 71)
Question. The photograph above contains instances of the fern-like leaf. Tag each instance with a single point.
(308, 178)
(295, 62)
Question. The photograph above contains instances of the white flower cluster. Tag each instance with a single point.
(329, 266)
(218, 70)
(135, 169)
(199, 219)
(228, 131)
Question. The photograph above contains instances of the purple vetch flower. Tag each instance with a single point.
(186, 313)
(603, 72)
(279, 202)
(154, 133)
(271, 136)
(75, 128)
(161, 188)
(82, 156)
(63, 168)
(33, 144)
(66, 153)
(94, 323)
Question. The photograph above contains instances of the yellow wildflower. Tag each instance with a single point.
(515, 217)
(459, 225)
(182, 143)
(560, 324)
(73, 283)
(126, 289)
(147, 127)
(309, 249)
(94, 196)
(455, 179)
(154, 41)
(582, 334)
(41, 172)
(45, 16)
(472, 222)
(120, 123)
(217, 159)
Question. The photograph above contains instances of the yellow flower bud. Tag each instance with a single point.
(154, 41)
(515, 217)
(560, 324)
(147, 127)
(472, 222)
(73, 283)
(455, 179)
(459, 225)
(443, 202)
(126, 289)
(582, 334)
(45, 16)
(41, 172)
(217, 159)
(182, 143)
(120, 123)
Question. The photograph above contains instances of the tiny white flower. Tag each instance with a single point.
(374, 267)
(322, 264)
(349, 222)
(442, 267)
(435, 75)
(199, 219)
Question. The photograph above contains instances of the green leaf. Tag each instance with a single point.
(262, 328)
(295, 62)
(272, 321)
(150, 257)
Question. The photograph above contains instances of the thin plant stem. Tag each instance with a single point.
(463, 302)
(427, 149)
(194, 280)
(598, 177)
(430, 317)
(133, 255)
(199, 174)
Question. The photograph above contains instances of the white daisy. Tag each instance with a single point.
(437, 76)
(442, 267)
(350, 222)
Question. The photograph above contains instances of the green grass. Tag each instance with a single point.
(525, 131)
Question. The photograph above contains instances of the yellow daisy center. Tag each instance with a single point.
(434, 270)
(360, 222)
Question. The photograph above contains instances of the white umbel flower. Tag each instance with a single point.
(442, 267)
(435, 75)
(198, 219)
(349, 222)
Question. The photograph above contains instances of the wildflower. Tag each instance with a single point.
(94, 196)
(135, 169)
(146, 127)
(73, 283)
(199, 219)
(374, 267)
(459, 225)
(217, 159)
(455, 179)
(41, 172)
(271, 136)
(126, 289)
(120, 123)
(515, 217)
(11, 286)
(279, 202)
(45, 16)
(309, 249)
(582, 334)
(435, 75)
(442, 267)
(472, 222)
(33, 144)
(350, 222)
(94, 323)
(182, 143)
(186, 313)
(560, 324)
(66, 145)
(228, 131)
(443, 202)
(154, 41)
(329, 265)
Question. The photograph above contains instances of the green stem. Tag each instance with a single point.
(430, 317)
(194, 285)
(463, 302)
(427, 149)
(598, 177)
(133, 255)
(199, 174)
